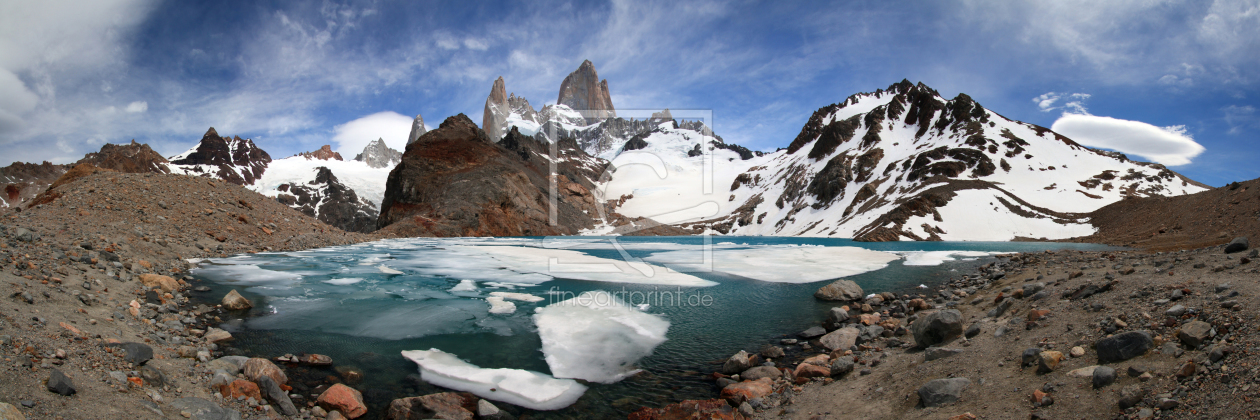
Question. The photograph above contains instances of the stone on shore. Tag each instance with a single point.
(835, 318)
(166, 283)
(804, 371)
(1103, 376)
(231, 364)
(215, 335)
(840, 339)
(747, 390)
(137, 353)
(1239, 244)
(202, 409)
(939, 392)
(60, 383)
(488, 411)
(715, 409)
(933, 353)
(841, 366)
(812, 332)
(737, 363)
(241, 388)
(840, 290)
(273, 392)
(1121, 347)
(1048, 361)
(257, 367)
(1194, 334)
(761, 372)
(446, 405)
(344, 399)
(9, 412)
(937, 327)
(234, 301)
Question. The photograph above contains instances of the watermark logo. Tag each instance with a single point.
(655, 298)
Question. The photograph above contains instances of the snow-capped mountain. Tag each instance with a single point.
(345, 194)
(896, 164)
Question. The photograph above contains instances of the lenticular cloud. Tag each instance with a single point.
(1170, 146)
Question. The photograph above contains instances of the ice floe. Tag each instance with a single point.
(524, 388)
(778, 264)
(597, 337)
(938, 257)
(343, 281)
(500, 306)
(465, 286)
(523, 297)
(575, 265)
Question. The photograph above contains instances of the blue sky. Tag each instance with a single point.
(1174, 81)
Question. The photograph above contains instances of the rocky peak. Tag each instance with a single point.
(417, 129)
(496, 110)
(520, 106)
(583, 91)
(238, 160)
(132, 158)
(662, 116)
(327, 199)
(379, 155)
(324, 153)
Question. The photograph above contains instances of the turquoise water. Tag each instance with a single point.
(340, 302)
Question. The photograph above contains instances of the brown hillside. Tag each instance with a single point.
(1209, 218)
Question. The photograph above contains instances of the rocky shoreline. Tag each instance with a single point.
(1063, 334)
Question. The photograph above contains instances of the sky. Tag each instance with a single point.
(1175, 82)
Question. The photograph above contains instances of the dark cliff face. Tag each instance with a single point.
(21, 181)
(330, 201)
(238, 160)
(131, 158)
(454, 181)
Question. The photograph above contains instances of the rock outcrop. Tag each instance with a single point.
(330, 201)
(379, 155)
(233, 160)
(496, 111)
(323, 153)
(454, 181)
(583, 91)
(417, 129)
(130, 158)
(21, 181)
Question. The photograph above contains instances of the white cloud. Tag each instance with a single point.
(475, 44)
(1074, 103)
(1240, 118)
(1170, 146)
(353, 136)
(137, 107)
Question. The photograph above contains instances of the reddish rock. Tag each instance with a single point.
(1041, 399)
(166, 283)
(316, 360)
(446, 405)
(255, 368)
(1036, 314)
(344, 399)
(583, 91)
(868, 319)
(747, 390)
(919, 304)
(964, 416)
(324, 153)
(234, 301)
(716, 409)
(804, 371)
(128, 158)
(239, 388)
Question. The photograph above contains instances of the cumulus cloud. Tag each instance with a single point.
(1170, 146)
(137, 107)
(353, 136)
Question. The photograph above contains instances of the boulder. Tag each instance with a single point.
(60, 383)
(346, 400)
(939, 392)
(841, 366)
(1239, 244)
(446, 405)
(1048, 361)
(933, 353)
(1194, 334)
(835, 318)
(747, 390)
(1121, 347)
(761, 372)
(230, 364)
(840, 339)
(715, 409)
(488, 411)
(316, 360)
(241, 388)
(257, 367)
(1103, 376)
(804, 371)
(215, 335)
(937, 327)
(136, 353)
(165, 283)
(840, 290)
(9, 412)
(277, 395)
(234, 301)
(201, 409)
(812, 332)
(737, 363)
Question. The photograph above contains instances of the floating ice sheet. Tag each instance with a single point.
(939, 257)
(779, 264)
(596, 337)
(373, 316)
(523, 297)
(239, 272)
(343, 281)
(465, 286)
(525, 388)
(500, 306)
(575, 265)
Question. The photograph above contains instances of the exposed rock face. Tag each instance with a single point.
(233, 160)
(330, 201)
(496, 111)
(378, 155)
(21, 181)
(454, 181)
(324, 153)
(417, 129)
(130, 158)
(583, 91)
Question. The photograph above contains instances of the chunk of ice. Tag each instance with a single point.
(500, 306)
(532, 390)
(596, 337)
(465, 286)
(343, 281)
(938, 257)
(778, 264)
(523, 297)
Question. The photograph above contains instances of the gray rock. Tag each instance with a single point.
(972, 331)
(201, 409)
(60, 383)
(272, 391)
(1029, 357)
(1130, 396)
(1176, 311)
(937, 327)
(488, 411)
(118, 377)
(1219, 351)
(760, 372)
(1000, 331)
(841, 366)
(939, 392)
(231, 364)
(933, 353)
(1239, 244)
(840, 290)
(737, 363)
(152, 376)
(1032, 288)
(1121, 347)
(772, 352)
(137, 353)
(25, 235)
(836, 318)
(1041, 295)
(1103, 376)
(1001, 308)
(812, 332)
(840, 339)
(1170, 348)
(1194, 333)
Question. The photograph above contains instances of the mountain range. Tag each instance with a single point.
(900, 163)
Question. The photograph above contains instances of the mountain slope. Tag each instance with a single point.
(234, 160)
(906, 164)
(1207, 218)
